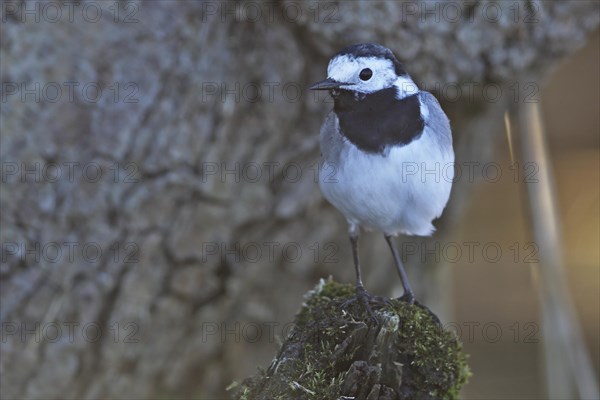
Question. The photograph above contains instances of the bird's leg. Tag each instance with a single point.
(353, 233)
(408, 293)
(361, 294)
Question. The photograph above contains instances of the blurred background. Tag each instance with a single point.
(508, 293)
(160, 220)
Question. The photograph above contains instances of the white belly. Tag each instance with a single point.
(401, 192)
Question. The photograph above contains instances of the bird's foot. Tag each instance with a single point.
(410, 299)
(366, 299)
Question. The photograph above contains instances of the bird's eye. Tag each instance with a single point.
(365, 74)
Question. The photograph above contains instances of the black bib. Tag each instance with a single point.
(374, 121)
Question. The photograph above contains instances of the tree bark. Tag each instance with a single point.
(122, 229)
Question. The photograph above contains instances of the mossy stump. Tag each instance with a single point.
(343, 353)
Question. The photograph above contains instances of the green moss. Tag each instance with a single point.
(435, 355)
(334, 351)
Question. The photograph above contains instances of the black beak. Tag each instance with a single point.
(327, 84)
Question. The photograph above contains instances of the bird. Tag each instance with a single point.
(386, 148)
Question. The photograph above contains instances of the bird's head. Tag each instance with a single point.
(364, 69)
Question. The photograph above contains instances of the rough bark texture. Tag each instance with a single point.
(337, 350)
(157, 211)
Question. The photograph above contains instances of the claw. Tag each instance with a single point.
(409, 298)
(365, 298)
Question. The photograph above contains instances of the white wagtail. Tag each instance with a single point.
(383, 147)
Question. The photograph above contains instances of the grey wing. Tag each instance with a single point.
(330, 138)
(437, 119)
(438, 125)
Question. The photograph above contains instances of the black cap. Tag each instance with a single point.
(374, 50)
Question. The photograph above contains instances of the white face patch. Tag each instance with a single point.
(347, 69)
(424, 109)
(406, 87)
